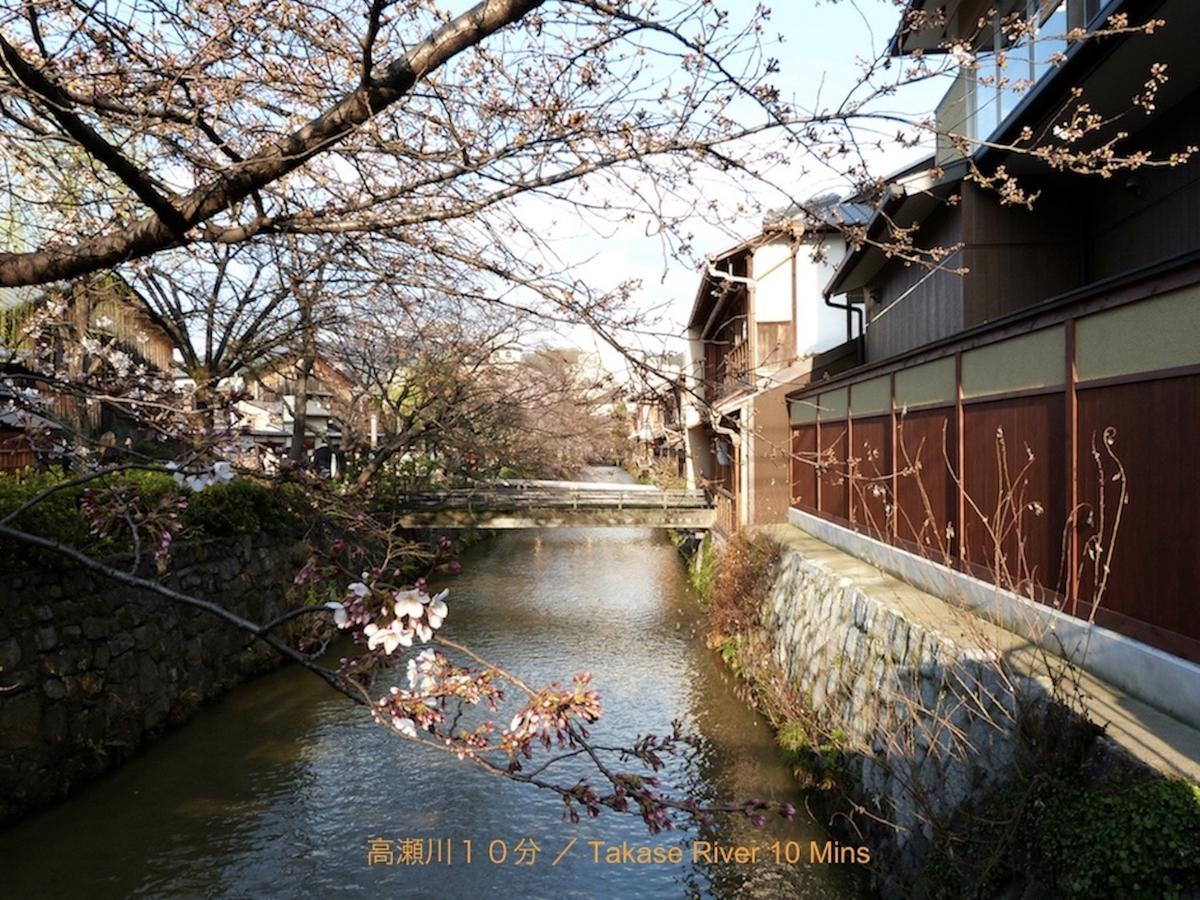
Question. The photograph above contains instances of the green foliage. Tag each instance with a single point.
(730, 651)
(155, 450)
(815, 761)
(56, 517)
(241, 506)
(518, 472)
(702, 568)
(1140, 841)
(1135, 840)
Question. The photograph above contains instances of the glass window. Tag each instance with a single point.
(1026, 46)
(1051, 40)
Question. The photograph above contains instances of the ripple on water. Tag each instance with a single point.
(275, 789)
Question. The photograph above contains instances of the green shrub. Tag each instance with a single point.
(56, 517)
(702, 568)
(241, 506)
(815, 761)
(1141, 841)
(730, 650)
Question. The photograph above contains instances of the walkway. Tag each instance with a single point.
(1167, 744)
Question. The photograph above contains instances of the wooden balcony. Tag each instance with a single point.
(729, 372)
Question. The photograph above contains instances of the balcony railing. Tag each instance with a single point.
(730, 372)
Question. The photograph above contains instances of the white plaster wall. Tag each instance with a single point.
(693, 375)
(819, 327)
(773, 282)
(699, 460)
(697, 444)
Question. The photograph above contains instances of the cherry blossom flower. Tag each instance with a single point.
(220, 473)
(405, 726)
(408, 615)
(546, 718)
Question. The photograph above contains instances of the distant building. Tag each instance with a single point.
(267, 411)
(656, 415)
(65, 321)
(506, 357)
(759, 326)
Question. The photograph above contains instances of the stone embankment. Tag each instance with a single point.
(932, 710)
(90, 670)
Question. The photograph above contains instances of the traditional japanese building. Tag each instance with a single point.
(1028, 407)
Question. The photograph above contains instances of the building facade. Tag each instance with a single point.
(1027, 412)
(759, 326)
(70, 323)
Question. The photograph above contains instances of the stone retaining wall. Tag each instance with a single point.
(90, 670)
(929, 724)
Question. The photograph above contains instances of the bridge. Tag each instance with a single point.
(556, 504)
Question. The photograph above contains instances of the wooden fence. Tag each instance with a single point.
(1016, 453)
(15, 452)
(727, 513)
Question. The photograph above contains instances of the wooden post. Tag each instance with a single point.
(849, 452)
(894, 525)
(960, 509)
(820, 457)
(1071, 409)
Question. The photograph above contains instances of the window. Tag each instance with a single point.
(1081, 13)
(1026, 45)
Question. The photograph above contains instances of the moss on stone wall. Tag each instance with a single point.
(91, 669)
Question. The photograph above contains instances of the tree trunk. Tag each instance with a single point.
(300, 406)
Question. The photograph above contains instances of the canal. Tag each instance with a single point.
(277, 789)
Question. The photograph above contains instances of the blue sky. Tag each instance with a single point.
(822, 44)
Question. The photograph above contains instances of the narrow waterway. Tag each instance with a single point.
(277, 789)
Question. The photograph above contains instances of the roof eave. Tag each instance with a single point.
(706, 277)
(914, 188)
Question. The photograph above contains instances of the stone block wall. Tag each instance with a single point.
(930, 726)
(90, 669)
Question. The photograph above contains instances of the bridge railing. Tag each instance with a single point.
(542, 498)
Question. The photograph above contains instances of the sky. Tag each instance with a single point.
(822, 42)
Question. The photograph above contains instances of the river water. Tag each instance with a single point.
(277, 789)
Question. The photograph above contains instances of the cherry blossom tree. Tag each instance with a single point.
(245, 161)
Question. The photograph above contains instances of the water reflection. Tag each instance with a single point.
(276, 789)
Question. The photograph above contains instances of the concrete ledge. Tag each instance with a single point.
(1147, 734)
(1164, 681)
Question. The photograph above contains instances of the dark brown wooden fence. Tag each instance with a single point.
(15, 453)
(1014, 455)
